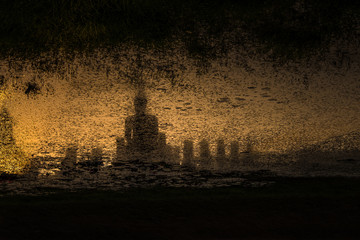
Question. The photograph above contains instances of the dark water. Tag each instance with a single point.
(51, 176)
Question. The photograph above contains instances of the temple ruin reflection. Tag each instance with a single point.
(142, 139)
(143, 142)
(142, 145)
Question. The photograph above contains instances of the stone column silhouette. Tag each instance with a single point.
(220, 154)
(163, 151)
(70, 157)
(205, 155)
(175, 155)
(234, 153)
(96, 154)
(247, 157)
(96, 159)
(162, 141)
(188, 153)
(120, 149)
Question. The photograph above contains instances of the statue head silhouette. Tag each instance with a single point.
(140, 103)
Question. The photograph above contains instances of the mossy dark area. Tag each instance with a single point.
(291, 208)
(288, 28)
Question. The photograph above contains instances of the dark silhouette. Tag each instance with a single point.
(162, 141)
(188, 153)
(205, 155)
(32, 169)
(70, 157)
(141, 129)
(2, 80)
(163, 150)
(96, 154)
(220, 154)
(32, 88)
(120, 149)
(175, 152)
(143, 141)
(234, 153)
(95, 161)
(6, 128)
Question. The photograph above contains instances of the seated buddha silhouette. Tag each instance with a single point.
(141, 129)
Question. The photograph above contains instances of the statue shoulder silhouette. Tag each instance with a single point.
(141, 132)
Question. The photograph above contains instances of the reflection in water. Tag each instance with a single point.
(234, 153)
(12, 159)
(49, 177)
(205, 155)
(143, 141)
(188, 153)
(87, 101)
(141, 129)
(144, 159)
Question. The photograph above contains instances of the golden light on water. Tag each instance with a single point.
(12, 160)
(85, 102)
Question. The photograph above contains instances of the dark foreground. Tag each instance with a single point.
(295, 208)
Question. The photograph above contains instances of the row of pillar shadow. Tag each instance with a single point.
(165, 153)
(205, 157)
(171, 154)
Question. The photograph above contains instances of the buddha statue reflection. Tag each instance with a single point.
(141, 129)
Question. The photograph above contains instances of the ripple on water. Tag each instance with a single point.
(240, 99)
(223, 100)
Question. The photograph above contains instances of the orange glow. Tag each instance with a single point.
(12, 160)
(87, 101)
